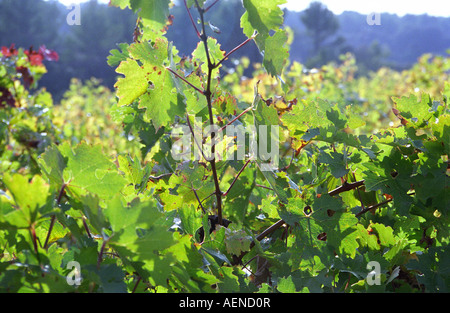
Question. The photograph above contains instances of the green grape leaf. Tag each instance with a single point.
(286, 285)
(111, 278)
(195, 102)
(385, 234)
(354, 121)
(269, 209)
(134, 172)
(163, 102)
(237, 241)
(281, 184)
(306, 115)
(263, 17)
(441, 130)
(434, 274)
(180, 188)
(29, 196)
(150, 54)
(149, 137)
(393, 176)
(276, 53)
(151, 82)
(135, 83)
(94, 212)
(83, 169)
(215, 53)
(11, 218)
(117, 56)
(52, 163)
(366, 238)
(266, 123)
(154, 13)
(300, 281)
(336, 162)
(413, 110)
(321, 120)
(120, 3)
(339, 226)
(190, 219)
(90, 170)
(139, 236)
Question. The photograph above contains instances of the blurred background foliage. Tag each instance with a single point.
(71, 101)
(397, 43)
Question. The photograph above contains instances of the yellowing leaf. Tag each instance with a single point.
(133, 85)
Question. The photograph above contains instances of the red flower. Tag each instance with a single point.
(8, 52)
(49, 55)
(36, 57)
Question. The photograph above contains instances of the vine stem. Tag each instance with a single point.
(198, 199)
(359, 193)
(137, 283)
(100, 254)
(52, 223)
(34, 237)
(192, 20)
(185, 80)
(235, 119)
(207, 93)
(234, 50)
(346, 187)
(86, 228)
(53, 219)
(375, 206)
(195, 138)
(266, 232)
(211, 5)
(236, 178)
(262, 186)
(372, 207)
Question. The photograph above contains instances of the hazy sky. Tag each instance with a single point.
(400, 7)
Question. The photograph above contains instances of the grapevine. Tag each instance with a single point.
(357, 172)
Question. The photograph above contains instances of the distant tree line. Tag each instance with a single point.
(82, 49)
(397, 42)
(319, 36)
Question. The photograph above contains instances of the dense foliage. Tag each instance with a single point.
(362, 173)
(397, 42)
